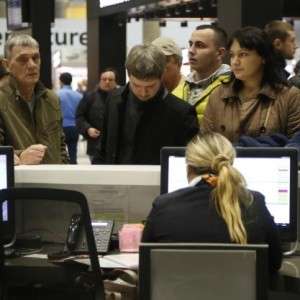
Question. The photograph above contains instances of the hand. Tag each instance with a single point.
(33, 155)
(93, 132)
(16, 160)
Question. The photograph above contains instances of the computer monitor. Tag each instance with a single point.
(185, 271)
(271, 171)
(6, 181)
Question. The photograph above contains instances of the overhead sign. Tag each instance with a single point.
(105, 3)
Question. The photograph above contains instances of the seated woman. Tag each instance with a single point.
(257, 101)
(217, 207)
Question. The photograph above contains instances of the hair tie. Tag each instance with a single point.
(211, 179)
(219, 161)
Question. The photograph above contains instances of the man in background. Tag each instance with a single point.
(143, 117)
(207, 47)
(90, 112)
(283, 38)
(69, 100)
(172, 78)
(30, 116)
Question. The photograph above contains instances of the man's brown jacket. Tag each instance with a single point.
(20, 128)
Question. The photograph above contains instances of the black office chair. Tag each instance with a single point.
(202, 271)
(26, 201)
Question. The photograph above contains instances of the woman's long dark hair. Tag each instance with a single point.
(253, 38)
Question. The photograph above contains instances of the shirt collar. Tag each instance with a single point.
(266, 91)
(39, 89)
(195, 181)
(191, 78)
(66, 87)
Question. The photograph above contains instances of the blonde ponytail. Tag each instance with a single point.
(215, 153)
(226, 196)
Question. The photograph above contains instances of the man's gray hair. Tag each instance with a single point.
(145, 62)
(23, 40)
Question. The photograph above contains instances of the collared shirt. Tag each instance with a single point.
(31, 104)
(195, 181)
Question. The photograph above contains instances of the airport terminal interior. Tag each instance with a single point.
(149, 149)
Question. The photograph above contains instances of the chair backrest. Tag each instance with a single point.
(203, 271)
(57, 197)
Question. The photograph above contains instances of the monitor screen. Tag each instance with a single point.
(6, 181)
(271, 171)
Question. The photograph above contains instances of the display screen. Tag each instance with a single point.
(7, 181)
(3, 184)
(273, 182)
(270, 171)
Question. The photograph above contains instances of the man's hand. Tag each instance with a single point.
(93, 132)
(16, 160)
(33, 155)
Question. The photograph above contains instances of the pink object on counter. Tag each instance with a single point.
(129, 237)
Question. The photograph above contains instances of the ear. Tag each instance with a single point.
(221, 52)
(277, 43)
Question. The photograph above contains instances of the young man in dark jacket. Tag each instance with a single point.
(143, 117)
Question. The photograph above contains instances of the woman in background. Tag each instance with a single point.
(216, 207)
(257, 102)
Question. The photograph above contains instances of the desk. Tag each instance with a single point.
(32, 278)
(54, 277)
(119, 192)
(123, 193)
(136, 175)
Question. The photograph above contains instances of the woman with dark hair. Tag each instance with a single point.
(258, 100)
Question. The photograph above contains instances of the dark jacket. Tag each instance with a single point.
(90, 114)
(166, 121)
(20, 129)
(189, 215)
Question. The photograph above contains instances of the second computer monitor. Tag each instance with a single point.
(7, 181)
(271, 171)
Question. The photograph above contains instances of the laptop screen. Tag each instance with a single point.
(271, 171)
(6, 181)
